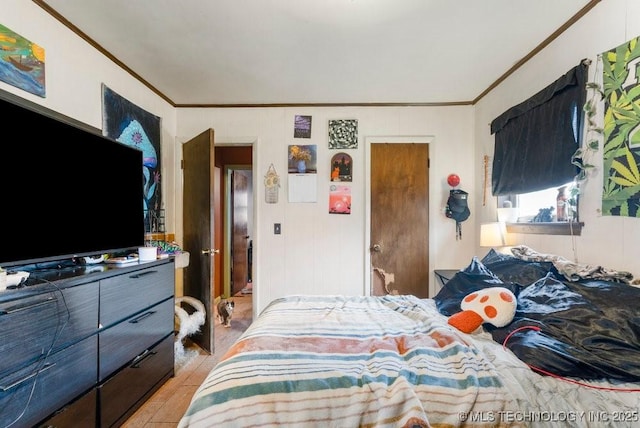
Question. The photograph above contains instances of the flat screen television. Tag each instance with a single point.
(67, 191)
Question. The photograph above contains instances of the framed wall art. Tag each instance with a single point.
(21, 62)
(341, 167)
(343, 134)
(339, 199)
(302, 159)
(302, 127)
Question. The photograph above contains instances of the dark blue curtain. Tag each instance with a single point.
(535, 140)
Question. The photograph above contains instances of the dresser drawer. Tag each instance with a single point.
(123, 295)
(122, 342)
(121, 395)
(50, 321)
(80, 413)
(45, 386)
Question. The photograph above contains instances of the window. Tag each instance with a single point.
(525, 206)
(534, 145)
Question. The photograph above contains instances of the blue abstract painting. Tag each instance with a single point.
(129, 124)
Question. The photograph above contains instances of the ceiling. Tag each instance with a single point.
(319, 52)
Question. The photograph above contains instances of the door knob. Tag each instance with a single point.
(209, 251)
(376, 248)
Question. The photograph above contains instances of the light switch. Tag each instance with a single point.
(276, 228)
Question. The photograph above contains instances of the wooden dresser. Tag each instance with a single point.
(86, 345)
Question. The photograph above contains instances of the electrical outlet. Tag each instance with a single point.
(277, 229)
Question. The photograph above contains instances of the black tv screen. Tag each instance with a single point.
(67, 190)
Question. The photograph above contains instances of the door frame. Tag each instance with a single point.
(253, 143)
(368, 141)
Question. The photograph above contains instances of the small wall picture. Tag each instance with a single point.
(343, 134)
(302, 159)
(21, 62)
(341, 167)
(339, 199)
(302, 127)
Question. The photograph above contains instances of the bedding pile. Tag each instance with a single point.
(587, 329)
(571, 270)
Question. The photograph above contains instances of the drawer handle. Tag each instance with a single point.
(139, 359)
(141, 317)
(141, 274)
(47, 366)
(14, 309)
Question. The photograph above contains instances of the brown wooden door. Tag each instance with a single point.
(198, 228)
(239, 218)
(400, 218)
(218, 232)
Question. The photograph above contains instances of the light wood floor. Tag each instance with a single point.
(166, 407)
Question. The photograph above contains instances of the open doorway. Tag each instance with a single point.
(205, 201)
(238, 232)
(235, 208)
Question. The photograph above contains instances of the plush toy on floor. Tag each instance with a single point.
(188, 323)
(493, 305)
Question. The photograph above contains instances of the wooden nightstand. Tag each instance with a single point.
(444, 275)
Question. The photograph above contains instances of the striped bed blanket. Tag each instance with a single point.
(351, 361)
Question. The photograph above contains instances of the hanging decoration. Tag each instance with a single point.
(457, 207)
(485, 181)
(271, 185)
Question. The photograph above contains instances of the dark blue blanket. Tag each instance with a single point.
(588, 329)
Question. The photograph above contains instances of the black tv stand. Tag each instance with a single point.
(73, 341)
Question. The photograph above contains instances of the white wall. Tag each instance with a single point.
(607, 241)
(75, 72)
(322, 253)
(318, 252)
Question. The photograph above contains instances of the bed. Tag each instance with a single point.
(570, 357)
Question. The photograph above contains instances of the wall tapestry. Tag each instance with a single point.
(620, 78)
(343, 134)
(127, 123)
(302, 127)
(21, 62)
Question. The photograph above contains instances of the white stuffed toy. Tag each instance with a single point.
(493, 305)
(189, 324)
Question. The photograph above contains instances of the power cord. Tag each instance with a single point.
(45, 355)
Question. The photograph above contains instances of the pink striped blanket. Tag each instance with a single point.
(338, 361)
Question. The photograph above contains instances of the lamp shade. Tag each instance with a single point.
(493, 234)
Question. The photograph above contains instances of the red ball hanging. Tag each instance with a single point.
(453, 180)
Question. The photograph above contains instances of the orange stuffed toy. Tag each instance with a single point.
(493, 305)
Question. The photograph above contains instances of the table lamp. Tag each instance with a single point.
(494, 235)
